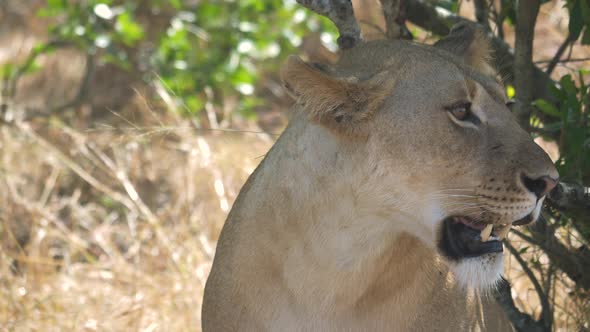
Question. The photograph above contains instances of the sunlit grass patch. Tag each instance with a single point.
(110, 230)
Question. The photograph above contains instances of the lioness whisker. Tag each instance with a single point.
(473, 208)
(455, 189)
(455, 195)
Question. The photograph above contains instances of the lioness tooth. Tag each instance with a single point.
(485, 233)
(502, 232)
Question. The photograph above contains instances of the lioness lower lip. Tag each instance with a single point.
(485, 233)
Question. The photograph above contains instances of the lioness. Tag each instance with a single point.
(382, 205)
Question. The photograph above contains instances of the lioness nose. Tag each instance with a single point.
(539, 186)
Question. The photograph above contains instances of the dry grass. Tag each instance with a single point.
(113, 230)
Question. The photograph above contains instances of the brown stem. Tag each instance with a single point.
(523, 59)
(570, 196)
(546, 312)
(342, 14)
(558, 54)
(499, 17)
(391, 11)
(30, 61)
(520, 320)
(564, 60)
(426, 16)
(574, 201)
(573, 263)
(482, 13)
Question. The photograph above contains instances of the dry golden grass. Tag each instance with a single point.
(113, 230)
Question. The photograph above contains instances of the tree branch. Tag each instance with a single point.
(564, 60)
(570, 196)
(482, 13)
(393, 12)
(546, 312)
(499, 17)
(32, 57)
(527, 12)
(574, 201)
(342, 14)
(558, 54)
(440, 21)
(572, 263)
(520, 321)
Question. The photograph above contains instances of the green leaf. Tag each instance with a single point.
(176, 4)
(547, 108)
(32, 68)
(586, 37)
(576, 19)
(585, 5)
(508, 11)
(568, 85)
(115, 60)
(56, 4)
(7, 70)
(129, 30)
(553, 127)
(194, 104)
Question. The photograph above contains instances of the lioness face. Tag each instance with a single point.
(446, 136)
(438, 146)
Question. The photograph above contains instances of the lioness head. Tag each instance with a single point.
(438, 149)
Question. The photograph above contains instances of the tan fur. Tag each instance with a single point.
(341, 104)
(470, 43)
(336, 233)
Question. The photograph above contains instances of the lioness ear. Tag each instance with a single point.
(471, 43)
(340, 104)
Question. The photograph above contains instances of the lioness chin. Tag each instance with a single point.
(382, 205)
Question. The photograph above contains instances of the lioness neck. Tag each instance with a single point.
(335, 264)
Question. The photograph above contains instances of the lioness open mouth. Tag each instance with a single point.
(464, 237)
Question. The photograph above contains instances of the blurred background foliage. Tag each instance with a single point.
(200, 51)
(111, 75)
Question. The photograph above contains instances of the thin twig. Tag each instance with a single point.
(556, 58)
(526, 237)
(499, 17)
(30, 61)
(132, 202)
(573, 263)
(546, 311)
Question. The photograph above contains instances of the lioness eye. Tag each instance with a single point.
(461, 112)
